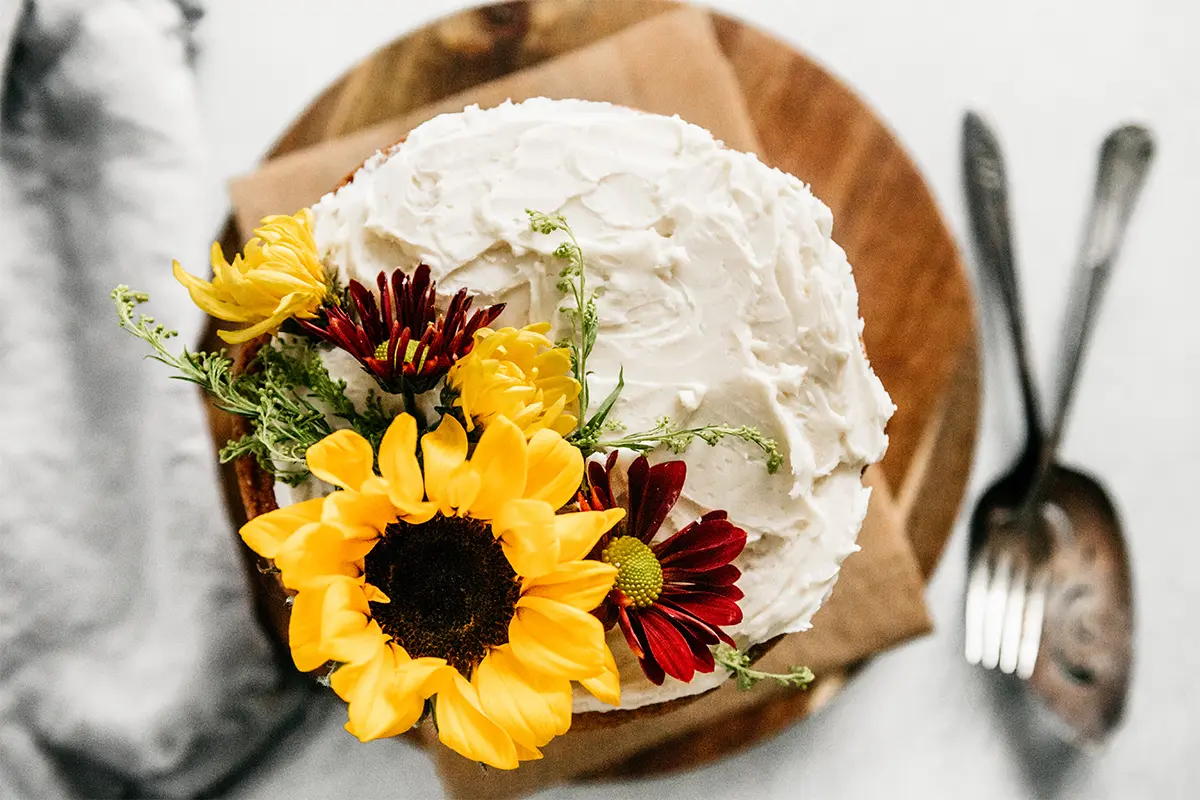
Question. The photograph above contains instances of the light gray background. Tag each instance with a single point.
(1053, 76)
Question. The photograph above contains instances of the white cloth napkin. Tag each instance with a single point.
(130, 659)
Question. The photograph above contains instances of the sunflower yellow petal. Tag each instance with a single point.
(461, 490)
(374, 594)
(332, 622)
(528, 533)
(527, 753)
(349, 648)
(579, 584)
(378, 716)
(402, 472)
(421, 676)
(424, 676)
(531, 707)
(578, 532)
(445, 451)
(304, 629)
(467, 730)
(382, 714)
(265, 533)
(361, 515)
(606, 687)
(347, 679)
(552, 637)
(555, 469)
(317, 551)
(342, 458)
(385, 693)
(500, 460)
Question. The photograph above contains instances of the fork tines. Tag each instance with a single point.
(1006, 601)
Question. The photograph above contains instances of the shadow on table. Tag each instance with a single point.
(1045, 758)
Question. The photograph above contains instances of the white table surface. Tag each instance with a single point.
(1053, 76)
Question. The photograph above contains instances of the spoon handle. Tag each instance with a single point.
(1124, 161)
(987, 200)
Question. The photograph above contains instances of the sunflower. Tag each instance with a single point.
(278, 277)
(454, 579)
(517, 374)
(401, 340)
(671, 597)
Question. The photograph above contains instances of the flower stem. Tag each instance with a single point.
(410, 405)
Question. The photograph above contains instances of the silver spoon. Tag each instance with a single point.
(1082, 674)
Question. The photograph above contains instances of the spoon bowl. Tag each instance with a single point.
(1083, 670)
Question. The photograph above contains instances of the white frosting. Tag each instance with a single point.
(720, 292)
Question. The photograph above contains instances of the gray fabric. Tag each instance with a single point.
(130, 659)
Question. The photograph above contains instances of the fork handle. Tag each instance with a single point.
(1124, 161)
(987, 201)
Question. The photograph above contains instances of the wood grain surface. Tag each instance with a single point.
(914, 295)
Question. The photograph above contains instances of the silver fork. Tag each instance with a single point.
(1010, 546)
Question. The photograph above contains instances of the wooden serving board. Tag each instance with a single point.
(914, 295)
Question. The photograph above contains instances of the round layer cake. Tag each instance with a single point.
(722, 297)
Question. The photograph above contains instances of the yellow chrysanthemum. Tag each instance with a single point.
(278, 277)
(457, 581)
(519, 375)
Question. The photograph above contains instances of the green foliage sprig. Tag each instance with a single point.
(572, 281)
(738, 664)
(280, 395)
(676, 438)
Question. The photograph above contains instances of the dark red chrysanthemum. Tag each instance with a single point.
(672, 597)
(400, 339)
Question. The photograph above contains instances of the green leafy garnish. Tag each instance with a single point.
(738, 664)
(279, 395)
(675, 438)
(572, 280)
(589, 433)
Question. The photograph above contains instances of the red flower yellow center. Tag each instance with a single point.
(639, 575)
(381, 353)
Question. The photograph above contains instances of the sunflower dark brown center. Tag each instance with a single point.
(452, 589)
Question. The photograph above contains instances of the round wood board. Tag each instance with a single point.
(914, 295)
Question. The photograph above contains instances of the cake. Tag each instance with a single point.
(724, 299)
(580, 281)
